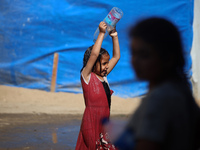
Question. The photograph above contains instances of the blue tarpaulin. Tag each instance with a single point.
(32, 31)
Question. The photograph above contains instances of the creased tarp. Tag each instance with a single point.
(31, 31)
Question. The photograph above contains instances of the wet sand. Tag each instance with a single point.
(41, 132)
(39, 120)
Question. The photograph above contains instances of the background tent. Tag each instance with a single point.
(32, 31)
(195, 52)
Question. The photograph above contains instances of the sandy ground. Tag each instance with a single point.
(39, 120)
(29, 101)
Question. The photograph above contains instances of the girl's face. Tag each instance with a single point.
(101, 70)
(145, 60)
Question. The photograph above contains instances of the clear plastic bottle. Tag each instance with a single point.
(111, 20)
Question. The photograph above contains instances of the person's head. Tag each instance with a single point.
(156, 49)
(101, 65)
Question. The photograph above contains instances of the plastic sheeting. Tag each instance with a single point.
(32, 31)
(195, 52)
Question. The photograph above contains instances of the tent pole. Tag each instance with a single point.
(54, 72)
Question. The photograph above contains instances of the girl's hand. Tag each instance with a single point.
(102, 27)
(113, 33)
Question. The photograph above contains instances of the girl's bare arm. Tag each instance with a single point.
(116, 51)
(95, 51)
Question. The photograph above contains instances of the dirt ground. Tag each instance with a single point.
(20, 100)
(38, 132)
(41, 131)
(39, 120)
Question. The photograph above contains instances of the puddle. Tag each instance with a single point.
(40, 132)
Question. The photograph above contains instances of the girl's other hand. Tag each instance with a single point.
(102, 27)
(113, 33)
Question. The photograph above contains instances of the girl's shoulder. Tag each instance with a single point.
(92, 75)
(84, 80)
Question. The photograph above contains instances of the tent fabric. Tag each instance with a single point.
(32, 31)
(195, 53)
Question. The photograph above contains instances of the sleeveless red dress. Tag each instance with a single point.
(91, 135)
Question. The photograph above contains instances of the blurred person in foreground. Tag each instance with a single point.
(168, 117)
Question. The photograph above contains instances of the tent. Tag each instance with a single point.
(31, 32)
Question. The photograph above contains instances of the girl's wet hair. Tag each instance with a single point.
(166, 40)
(87, 56)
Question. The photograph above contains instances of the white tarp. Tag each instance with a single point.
(195, 53)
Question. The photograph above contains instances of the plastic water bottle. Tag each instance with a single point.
(111, 20)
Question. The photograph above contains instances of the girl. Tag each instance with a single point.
(97, 94)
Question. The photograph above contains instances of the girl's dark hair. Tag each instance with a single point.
(87, 56)
(166, 40)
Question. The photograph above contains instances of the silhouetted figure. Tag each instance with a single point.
(168, 117)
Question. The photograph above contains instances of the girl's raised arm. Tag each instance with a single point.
(95, 52)
(116, 51)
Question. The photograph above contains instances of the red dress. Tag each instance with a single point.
(91, 135)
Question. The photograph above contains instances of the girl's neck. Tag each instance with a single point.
(98, 76)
